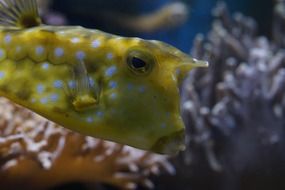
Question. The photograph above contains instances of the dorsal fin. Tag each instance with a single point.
(19, 13)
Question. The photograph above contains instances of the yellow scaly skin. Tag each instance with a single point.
(84, 80)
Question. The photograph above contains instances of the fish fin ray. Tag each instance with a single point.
(19, 13)
(83, 96)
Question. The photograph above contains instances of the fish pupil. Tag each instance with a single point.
(138, 63)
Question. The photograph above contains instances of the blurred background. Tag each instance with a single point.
(234, 111)
(176, 21)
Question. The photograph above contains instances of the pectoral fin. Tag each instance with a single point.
(85, 95)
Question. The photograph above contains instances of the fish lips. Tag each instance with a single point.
(170, 144)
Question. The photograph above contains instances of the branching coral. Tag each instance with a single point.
(235, 110)
(279, 23)
(38, 154)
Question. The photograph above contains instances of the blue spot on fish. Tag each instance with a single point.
(113, 84)
(89, 119)
(58, 84)
(113, 96)
(109, 56)
(39, 50)
(95, 43)
(45, 66)
(2, 53)
(142, 89)
(2, 74)
(7, 39)
(44, 100)
(58, 52)
(71, 84)
(80, 55)
(40, 88)
(111, 71)
(91, 81)
(130, 86)
(163, 125)
(99, 114)
(75, 40)
(54, 97)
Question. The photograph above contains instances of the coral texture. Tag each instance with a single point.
(38, 154)
(235, 111)
(244, 88)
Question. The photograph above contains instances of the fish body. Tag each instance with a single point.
(102, 85)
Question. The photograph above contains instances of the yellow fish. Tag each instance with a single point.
(121, 89)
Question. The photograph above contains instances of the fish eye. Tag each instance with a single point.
(140, 62)
(137, 63)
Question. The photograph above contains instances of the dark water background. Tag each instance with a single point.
(181, 37)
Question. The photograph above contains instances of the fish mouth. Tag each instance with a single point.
(170, 144)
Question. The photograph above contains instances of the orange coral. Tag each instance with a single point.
(36, 153)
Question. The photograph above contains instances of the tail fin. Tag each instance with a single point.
(19, 13)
